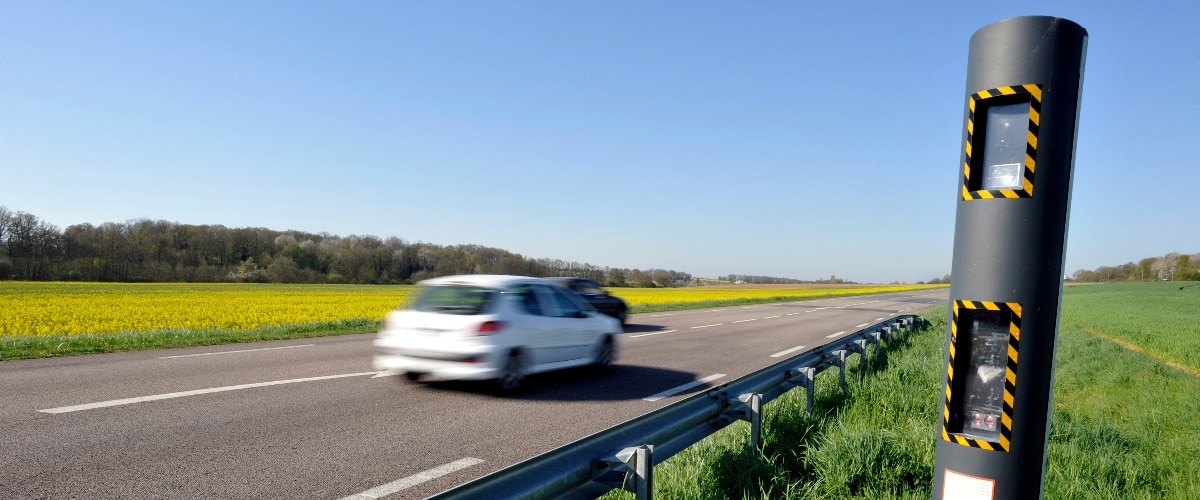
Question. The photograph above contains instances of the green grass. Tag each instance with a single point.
(45, 346)
(1124, 424)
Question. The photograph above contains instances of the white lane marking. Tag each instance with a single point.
(771, 317)
(743, 320)
(233, 352)
(649, 334)
(781, 354)
(713, 311)
(835, 335)
(706, 326)
(792, 314)
(667, 314)
(415, 479)
(684, 387)
(862, 325)
(172, 395)
(879, 319)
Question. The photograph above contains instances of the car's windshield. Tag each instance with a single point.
(454, 299)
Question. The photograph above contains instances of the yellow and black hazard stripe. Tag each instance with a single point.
(1010, 376)
(1031, 91)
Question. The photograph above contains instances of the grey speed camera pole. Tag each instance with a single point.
(1024, 77)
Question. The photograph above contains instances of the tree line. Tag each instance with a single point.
(1170, 267)
(146, 250)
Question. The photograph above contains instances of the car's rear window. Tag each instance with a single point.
(454, 299)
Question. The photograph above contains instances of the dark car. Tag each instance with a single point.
(597, 296)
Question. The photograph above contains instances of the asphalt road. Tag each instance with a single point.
(310, 418)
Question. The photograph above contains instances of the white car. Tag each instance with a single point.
(492, 327)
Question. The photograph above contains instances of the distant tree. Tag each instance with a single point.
(641, 279)
(616, 277)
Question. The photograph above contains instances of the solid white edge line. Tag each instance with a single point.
(234, 352)
(706, 326)
(835, 335)
(172, 395)
(415, 479)
(649, 334)
(781, 354)
(684, 387)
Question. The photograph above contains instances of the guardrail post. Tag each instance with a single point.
(840, 361)
(633, 470)
(750, 410)
(805, 377)
(861, 347)
(753, 402)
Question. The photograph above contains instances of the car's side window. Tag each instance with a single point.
(527, 297)
(567, 308)
(550, 305)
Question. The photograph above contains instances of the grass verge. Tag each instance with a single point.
(1125, 424)
(46, 346)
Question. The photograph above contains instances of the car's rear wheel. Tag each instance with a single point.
(622, 314)
(512, 376)
(413, 376)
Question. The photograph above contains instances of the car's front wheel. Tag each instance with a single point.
(606, 353)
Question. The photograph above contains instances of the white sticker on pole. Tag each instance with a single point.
(963, 487)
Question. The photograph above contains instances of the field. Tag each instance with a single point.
(1125, 421)
(39, 319)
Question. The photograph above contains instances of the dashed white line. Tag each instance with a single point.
(862, 325)
(878, 319)
(781, 354)
(684, 387)
(649, 334)
(658, 315)
(835, 335)
(172, 395)
(706, 326)
(413, 480)
(771, 317)
(744, 320)
(233, 352)
(792, 314)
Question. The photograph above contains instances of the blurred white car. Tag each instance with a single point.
(492, 327)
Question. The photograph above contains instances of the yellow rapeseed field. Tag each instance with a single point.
(77, 308)
(653, 296)
(39, 308)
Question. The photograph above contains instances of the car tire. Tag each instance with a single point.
(413, 376)
(606, 353)
(622, 314)
(512, 376)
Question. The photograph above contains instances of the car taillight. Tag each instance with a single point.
(489, 327)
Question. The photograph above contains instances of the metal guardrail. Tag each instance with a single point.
(623, 456)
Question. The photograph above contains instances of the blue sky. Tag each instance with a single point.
(782, 138)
